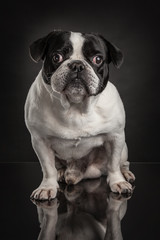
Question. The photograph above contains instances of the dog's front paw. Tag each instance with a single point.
(43, 192)
(121, 187)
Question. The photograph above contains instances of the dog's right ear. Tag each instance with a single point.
(37, 48)
(115, 55)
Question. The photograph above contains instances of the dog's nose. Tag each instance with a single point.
(76, 66)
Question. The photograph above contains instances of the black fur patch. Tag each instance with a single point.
(58, 43)
(93, 46)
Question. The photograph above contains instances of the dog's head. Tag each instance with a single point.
(75, 64)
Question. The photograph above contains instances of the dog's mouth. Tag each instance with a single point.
(76, 90)
(76, 84)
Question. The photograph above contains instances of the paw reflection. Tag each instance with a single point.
(85, 211)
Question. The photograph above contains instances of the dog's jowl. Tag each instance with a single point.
(74, 113)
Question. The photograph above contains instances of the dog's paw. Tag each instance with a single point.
(44, 193)
(73, 177)
(121, 187)
(129, 176)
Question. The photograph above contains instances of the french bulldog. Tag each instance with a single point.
(75, 115)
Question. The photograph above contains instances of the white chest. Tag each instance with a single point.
(73, 135)
(74, 125)
(77, 148)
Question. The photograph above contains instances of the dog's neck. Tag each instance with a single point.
(83, 107)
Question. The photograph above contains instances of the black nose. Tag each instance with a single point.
(76, 66)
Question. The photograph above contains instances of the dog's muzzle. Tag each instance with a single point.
(76, 88)
(76, 83)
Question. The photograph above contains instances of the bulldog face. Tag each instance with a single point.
(75, 64)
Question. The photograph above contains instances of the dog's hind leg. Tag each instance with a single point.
(91, 166)
(74, 172)
(92, 172)
(98, 164)
(61, 168)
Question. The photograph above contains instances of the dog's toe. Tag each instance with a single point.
(43, 194)
(122, 187)
(129, 176)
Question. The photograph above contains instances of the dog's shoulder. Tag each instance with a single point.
(110, 106)
(34, 103)
(110, 99)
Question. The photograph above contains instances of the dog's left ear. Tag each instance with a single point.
(37, 48)
(114, 53)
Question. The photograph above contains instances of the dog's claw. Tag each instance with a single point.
(43, 194)
(122, 188)
(129, 176)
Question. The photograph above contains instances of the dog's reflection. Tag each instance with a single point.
(84, 211)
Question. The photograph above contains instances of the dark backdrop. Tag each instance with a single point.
(131, 25)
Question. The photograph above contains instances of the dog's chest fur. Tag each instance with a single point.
(74, 139)
(76, 148)
(76, 136)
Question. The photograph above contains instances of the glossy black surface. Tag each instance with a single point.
(86, 211)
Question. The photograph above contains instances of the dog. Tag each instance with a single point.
(86, 210)
(75, 115)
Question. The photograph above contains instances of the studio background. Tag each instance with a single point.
(131, 25)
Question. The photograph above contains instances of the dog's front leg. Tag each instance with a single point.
(114, 146)
(48, 187)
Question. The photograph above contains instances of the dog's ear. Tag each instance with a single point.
(37, 48)
(114, 53)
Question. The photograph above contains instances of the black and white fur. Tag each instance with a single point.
(75, 115)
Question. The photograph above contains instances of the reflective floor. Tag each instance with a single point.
(86, 211)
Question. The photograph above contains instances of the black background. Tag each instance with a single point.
(131, 25)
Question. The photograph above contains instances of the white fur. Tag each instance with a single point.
(72, 132)
(77, 41)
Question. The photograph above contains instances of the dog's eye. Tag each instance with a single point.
(97, 60)
(57, 58)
